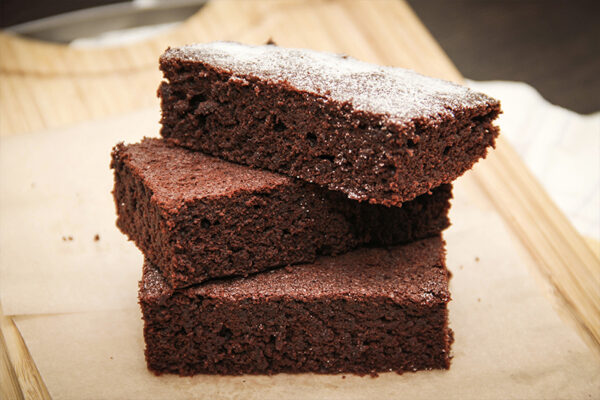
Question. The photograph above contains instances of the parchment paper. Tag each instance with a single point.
(55, 197)
(509, 344)
(510, 341)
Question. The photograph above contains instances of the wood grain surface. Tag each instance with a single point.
(48, 86)
(19, 375)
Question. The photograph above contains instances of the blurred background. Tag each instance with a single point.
(554, 45)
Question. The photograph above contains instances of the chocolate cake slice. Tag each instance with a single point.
(198, 217)
(369, 311)
(378, 134)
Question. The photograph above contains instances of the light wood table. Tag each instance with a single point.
(45, 86)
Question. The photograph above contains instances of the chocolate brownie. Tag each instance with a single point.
(364, 312)
(199, 217)
(378, 134)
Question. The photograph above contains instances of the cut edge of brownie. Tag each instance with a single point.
(369, 311)
(258, 221)
(265, 122)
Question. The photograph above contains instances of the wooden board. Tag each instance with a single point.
(48, 86)
(84, 289)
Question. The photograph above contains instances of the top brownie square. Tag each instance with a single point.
(378, 134)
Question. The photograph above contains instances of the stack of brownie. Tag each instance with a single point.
(291, 215)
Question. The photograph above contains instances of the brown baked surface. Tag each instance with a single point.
(378, 134)
(368, 311)
(198, 217)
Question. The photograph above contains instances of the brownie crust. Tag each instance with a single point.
(368, 311)
(198, 217)
(378, 134)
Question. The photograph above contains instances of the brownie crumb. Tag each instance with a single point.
(96, 237)
(343, 376)
(271, 42)
(288, 268)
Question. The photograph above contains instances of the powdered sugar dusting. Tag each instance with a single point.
(398, 94)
